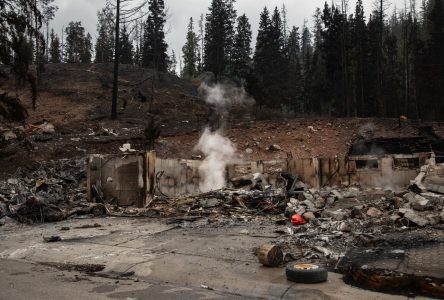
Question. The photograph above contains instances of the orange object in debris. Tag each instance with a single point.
(297, 220)
(403, 118)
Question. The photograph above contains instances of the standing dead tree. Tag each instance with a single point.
(127, 11)
(116, 62)
(152, 133)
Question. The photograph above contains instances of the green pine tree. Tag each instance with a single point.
(104, 47)
(78, 47)
(172, 63)
(294, 79)
(261, 60)
(126, 47)
(55, 49)
(190, 53)
(154, 45)
(86, 50)
(241, 56)
(219, 37)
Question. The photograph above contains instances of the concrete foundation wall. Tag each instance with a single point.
(132, 178)
(180, 177)
(119, 177)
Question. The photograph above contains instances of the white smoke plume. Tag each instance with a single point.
(223, 95)
(219, 152)
(367, 131)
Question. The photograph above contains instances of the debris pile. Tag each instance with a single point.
(319, 224)
(45, 192)
(338, 219)
(222, 202)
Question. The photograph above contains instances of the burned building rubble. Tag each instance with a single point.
(391, 162)
(384, 187)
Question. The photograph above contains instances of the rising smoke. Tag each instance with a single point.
(223, 95)
(219, 151)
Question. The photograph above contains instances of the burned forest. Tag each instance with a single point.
(221, 149)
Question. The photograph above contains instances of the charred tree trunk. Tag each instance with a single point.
(37, 59)
(406, 62)
(380, 81)
(345, 74)
(116, 63)
(414, 68)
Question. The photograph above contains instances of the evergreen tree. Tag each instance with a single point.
(294, 83)
(172, 63)
(261, 60)
(215, 57)
(242, 49)
(277, 57)
(315, 88)
(411, 64)
(379, 18)
(306, 57)
(435, 27)
(392, 77)
(359, 50)
(78, 47)
(190, 52)
(294, 46)
(219, 37)
(104, 47)
(306, 48)
(55, 49)
(332, 50)
(371, 103)
(270, 60)
(126, 47)
(277, 34)
(433, 90)
(86, 50)
(230, 30)
(154, 45)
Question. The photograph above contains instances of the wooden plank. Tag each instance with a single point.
(150, 177)
(94, 167)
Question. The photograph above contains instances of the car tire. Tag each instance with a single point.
(306, 273)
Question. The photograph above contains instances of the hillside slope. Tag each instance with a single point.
(76, 99)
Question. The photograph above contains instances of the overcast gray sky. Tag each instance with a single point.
(181, 10)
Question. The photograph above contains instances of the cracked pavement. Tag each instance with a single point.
(207, 261)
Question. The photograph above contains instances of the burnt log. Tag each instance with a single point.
(270, 255)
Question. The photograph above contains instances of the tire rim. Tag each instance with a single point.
(305, 267)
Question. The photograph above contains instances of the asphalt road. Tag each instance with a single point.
(24, 280)
(164, 262)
